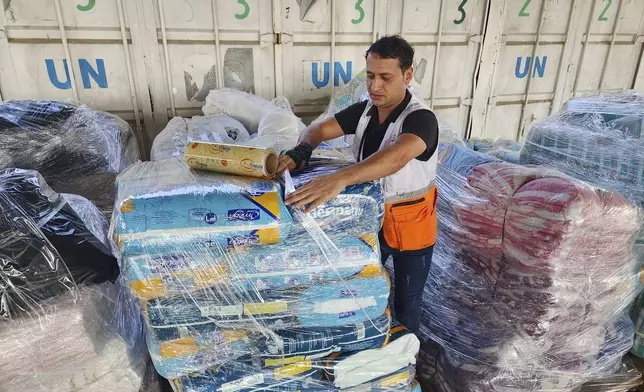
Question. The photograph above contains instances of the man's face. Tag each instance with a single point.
(386, 82)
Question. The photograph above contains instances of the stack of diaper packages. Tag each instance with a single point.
(241, 293)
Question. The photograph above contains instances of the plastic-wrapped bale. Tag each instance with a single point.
(271, 123)
(163, 203)
(213, 309)
(73, 343)
(386, 368)
(357, 210)
(505, 150)
(77, 149)
(180, 131)
(595, 139)
(599, 140)
(529, 278)
(351, 221)
(626, 378)
(49, 241)
(205, 345)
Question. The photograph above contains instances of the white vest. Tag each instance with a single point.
(416, 177)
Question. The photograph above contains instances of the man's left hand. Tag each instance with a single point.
(316, 192)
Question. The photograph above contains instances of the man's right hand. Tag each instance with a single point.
(285, 162)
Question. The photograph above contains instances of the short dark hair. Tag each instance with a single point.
(393, 47)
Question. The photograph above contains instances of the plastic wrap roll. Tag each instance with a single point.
(231, 159)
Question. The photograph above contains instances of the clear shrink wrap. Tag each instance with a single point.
(598, 140)
(240, 292)
(503, 149)
(58, 334)
(73, 344)
(530, 277)
(76, 149)
(626, 378)
(49, 242)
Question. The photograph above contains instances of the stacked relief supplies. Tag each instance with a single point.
(63, 324)
(529, 280)
(76, 149)
(241, 293)
(599, 140)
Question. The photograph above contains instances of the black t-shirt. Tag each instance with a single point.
(421, 123)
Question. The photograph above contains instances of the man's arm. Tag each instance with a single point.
(384, 162)
(313, 136)
(381, 164)
(320, 132)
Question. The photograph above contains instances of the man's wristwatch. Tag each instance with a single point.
(300, 154)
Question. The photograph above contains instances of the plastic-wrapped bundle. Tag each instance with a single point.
(76, 149)
(74, 343)
(259, 316)
(595, 139)
(388, 368)
(163, 199)
(357, 209)
(505, 150)
(599, 140)
(625, 379)
(529, 277)
(180, 131)
(49, 241)
(55, 335)
(272, 124)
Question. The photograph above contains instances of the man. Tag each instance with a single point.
(396, 137)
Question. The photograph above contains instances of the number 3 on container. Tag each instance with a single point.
(462, 11)
(358, 7)
(246, 12)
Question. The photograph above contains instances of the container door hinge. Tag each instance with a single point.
(277, 38)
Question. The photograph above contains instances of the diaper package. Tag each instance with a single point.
(241, 292)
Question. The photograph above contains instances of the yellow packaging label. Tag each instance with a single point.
(207, 277)
(270, 201)
(292, 370)
(179, 347)
(264, 308)
(156, 287)
(394, 380)
(148, 289)
(232, 335)
(283, 361)
(370, 271)
(127, 206)
(269, 235)
(371, 240)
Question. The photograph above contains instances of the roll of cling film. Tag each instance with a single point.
(232, 159)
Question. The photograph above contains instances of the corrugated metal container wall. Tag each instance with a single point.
(213, 44)
(39, 37)
(488, 67)
(325, 42)
(539, 53)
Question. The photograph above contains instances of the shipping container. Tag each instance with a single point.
(489, 68)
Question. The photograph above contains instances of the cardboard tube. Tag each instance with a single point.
(232, 159)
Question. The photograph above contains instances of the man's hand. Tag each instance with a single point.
(285, 162)
(316, 192)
